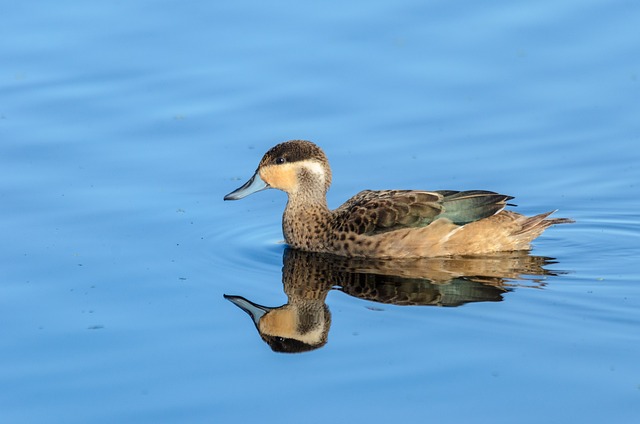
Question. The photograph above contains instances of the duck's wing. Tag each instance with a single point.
(463, 207)
(372, 212)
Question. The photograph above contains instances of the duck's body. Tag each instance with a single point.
(389, 223)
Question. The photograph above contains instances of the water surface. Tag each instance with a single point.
(122, 125)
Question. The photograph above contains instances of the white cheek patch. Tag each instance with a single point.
(314, 168)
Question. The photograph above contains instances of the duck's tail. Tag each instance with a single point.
(536, 224)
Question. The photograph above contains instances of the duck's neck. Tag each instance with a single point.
(305, 222)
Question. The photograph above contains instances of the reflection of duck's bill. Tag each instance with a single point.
(254, 310)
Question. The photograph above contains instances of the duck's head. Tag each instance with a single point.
(293, 167)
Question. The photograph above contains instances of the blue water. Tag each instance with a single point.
(123, 124)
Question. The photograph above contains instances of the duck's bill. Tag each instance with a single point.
(254, 185)
(254, 310)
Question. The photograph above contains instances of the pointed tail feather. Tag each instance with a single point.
(538, 223)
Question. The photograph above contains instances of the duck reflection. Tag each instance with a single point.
(302, 324)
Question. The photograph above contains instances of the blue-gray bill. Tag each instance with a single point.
(254, 310)
(254, 185)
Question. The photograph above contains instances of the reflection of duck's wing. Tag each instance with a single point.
(504, 265)
(450, 281)
(407, 291)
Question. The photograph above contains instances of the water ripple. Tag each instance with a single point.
(253, 245)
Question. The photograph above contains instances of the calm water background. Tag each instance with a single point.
(122, 125)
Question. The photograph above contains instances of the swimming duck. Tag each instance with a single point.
(387, 223)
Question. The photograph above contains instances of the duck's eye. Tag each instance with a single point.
(280, 160)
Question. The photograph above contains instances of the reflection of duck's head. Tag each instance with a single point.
(302, 324)
(291, 328)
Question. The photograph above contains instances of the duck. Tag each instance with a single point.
(387, 223)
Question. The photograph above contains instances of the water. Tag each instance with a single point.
(122, 125)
